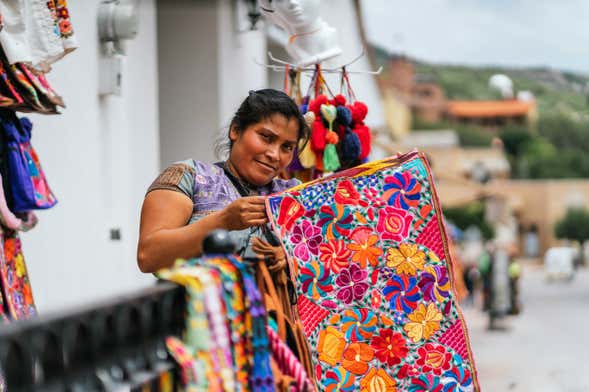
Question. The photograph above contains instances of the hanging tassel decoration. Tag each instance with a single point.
(307, 157)
(350, 146)
(359, 111)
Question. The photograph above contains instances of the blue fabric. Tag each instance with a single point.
(27, 185)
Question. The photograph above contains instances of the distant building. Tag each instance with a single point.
(492, 113)
(424, 97)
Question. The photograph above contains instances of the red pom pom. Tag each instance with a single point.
(364, 136)
(339, 100)
(315, 105)
(318, 136)
(359, 111)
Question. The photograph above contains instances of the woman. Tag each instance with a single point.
(192, 198)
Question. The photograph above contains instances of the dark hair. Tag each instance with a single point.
(260, 105)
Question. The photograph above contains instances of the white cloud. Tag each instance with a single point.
(506, 32)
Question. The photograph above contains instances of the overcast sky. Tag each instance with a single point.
(504, 32)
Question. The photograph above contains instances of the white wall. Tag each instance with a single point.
(206, 69)
(99, 156)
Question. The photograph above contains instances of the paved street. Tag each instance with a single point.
(545, 349)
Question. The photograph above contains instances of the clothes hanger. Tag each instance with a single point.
(281, 66)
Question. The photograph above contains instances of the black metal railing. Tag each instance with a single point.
(115, 345)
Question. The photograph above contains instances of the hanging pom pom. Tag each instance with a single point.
(351, 147)
(338, 100)
(315, 104)
(330, 158)
(318, 132)
(344, 116)
(331, 137)
(304, 108)
(359, 112)
(364, 137)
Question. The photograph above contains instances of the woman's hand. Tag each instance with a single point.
(245, 212)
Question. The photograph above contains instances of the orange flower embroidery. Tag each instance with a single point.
(363, 246)
(423, 322)
(331, 345)
(406, 259)
(377, 381)
(356, 358)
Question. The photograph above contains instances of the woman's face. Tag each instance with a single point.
(263, 149)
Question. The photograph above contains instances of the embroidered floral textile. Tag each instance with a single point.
(369, 253)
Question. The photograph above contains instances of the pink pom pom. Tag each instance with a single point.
(339, 100)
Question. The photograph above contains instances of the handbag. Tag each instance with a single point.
(28, 186)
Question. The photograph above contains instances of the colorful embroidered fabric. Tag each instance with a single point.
(218, 287)
(15, 284)
(374, 279)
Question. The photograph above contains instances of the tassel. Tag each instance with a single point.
(330, 159)
(351, 148)
(307, 157)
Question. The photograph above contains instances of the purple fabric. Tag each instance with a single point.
(213, 190)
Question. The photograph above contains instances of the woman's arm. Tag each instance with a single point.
(164, 235)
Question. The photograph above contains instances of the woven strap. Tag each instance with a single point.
(287, 362)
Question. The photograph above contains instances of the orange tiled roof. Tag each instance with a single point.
(511, 108)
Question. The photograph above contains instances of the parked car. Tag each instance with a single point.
(559, 262)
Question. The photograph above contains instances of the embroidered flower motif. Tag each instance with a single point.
(290, 210)
(65, 27)
(375, 299)
(408, 371)
(457, 379)
(433, 358)
(334, 255)
(315, 280)
(345, 193)
(393, 223)
(363, 247)
(339, 380)
(402, 190)
(399, 317)
(402, 293)
(352, 283)
(335, 221)
(358, 324)
(426, 383)
(19, 262)
(306, 238)
(406, 259)
(356, 358)
(377, 381)
(330, 346)
(389, 347)
(423, 322)
(434, 283)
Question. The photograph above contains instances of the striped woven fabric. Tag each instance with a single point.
(374, 279)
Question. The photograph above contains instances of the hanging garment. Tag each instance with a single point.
(374, 279)
(28, 185)
(36, 32)
(14, 279)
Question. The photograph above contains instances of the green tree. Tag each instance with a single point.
(574, 225)
(472, 214)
